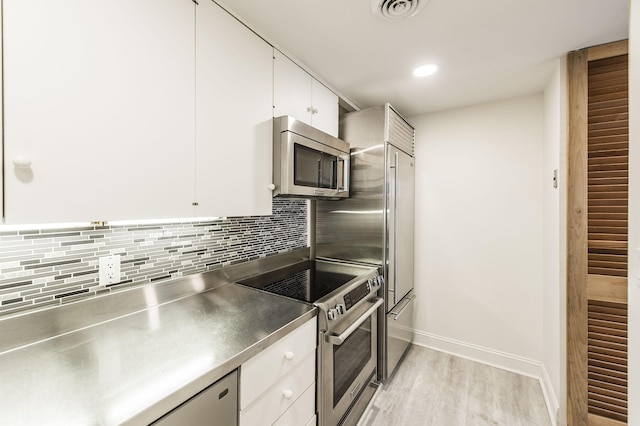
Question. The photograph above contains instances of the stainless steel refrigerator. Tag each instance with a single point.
(375, 225)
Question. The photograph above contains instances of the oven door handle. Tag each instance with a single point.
(339, 339)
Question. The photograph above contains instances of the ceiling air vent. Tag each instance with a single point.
(396, 9)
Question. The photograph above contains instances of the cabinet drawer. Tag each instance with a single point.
(281, 395)
(302, 411)
(268, 366)
(312, 421)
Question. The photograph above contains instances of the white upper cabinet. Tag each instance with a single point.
(299, 95)
(234, 98)
(99, 109)
(325, 108)
(291, 89)
(138, 109)
(1, 119)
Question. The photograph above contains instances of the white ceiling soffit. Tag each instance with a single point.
(485, 50)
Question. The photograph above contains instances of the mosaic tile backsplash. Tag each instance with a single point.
(46, 267)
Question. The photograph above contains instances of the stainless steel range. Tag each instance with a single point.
(346, 296)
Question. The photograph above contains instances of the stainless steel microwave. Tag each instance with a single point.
(308, 163)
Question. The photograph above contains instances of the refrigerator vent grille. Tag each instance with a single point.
(401, 134)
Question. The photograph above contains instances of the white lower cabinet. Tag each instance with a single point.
(312, 421)
(279, 398)
(298, 413)
(277, 386)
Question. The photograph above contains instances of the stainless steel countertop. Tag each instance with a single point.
(134, 368)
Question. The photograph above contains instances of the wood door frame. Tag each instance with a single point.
(577, 401)
(577, 225)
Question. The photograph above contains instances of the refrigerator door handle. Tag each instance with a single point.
(401, 311)
(395, 225)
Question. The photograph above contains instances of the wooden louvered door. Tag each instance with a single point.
(598, 205)
(607, 193)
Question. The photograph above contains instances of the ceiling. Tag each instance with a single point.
(485, 50)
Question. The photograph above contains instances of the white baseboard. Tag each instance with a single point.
(550, 396)
(505, 361)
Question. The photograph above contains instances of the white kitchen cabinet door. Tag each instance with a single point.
(298, 94)
(99, 100)
(234, 98)
(275, 362)
(325, 108)
(1, 124)
(291, 89)
(288, 365)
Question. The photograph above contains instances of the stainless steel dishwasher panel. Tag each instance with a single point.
(399, 330)
(216, 405)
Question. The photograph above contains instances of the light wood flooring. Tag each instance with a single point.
(435, 388)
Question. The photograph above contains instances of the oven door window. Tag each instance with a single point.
(350, 358)
(314, 168)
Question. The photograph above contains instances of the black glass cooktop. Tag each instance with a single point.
(307, 281)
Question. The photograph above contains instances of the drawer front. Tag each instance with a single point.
(312, 421)
(280, 396)
(277, 360)
(302, 411)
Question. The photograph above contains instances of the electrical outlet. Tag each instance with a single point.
(109, 269)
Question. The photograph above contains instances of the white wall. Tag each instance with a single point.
(634, 214)
(479, 232)
(554, 245)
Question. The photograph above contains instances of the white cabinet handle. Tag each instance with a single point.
(271, 187)
(21, 162)
(310, 109)
(287, 393)
(288, 355)
(314, 111)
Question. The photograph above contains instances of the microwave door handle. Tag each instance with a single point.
(344, 178)
(346, 172)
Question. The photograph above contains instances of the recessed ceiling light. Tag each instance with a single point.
(425, 70)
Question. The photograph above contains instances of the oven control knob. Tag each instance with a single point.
(332, 313)
(340, 308)
(380, 280)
